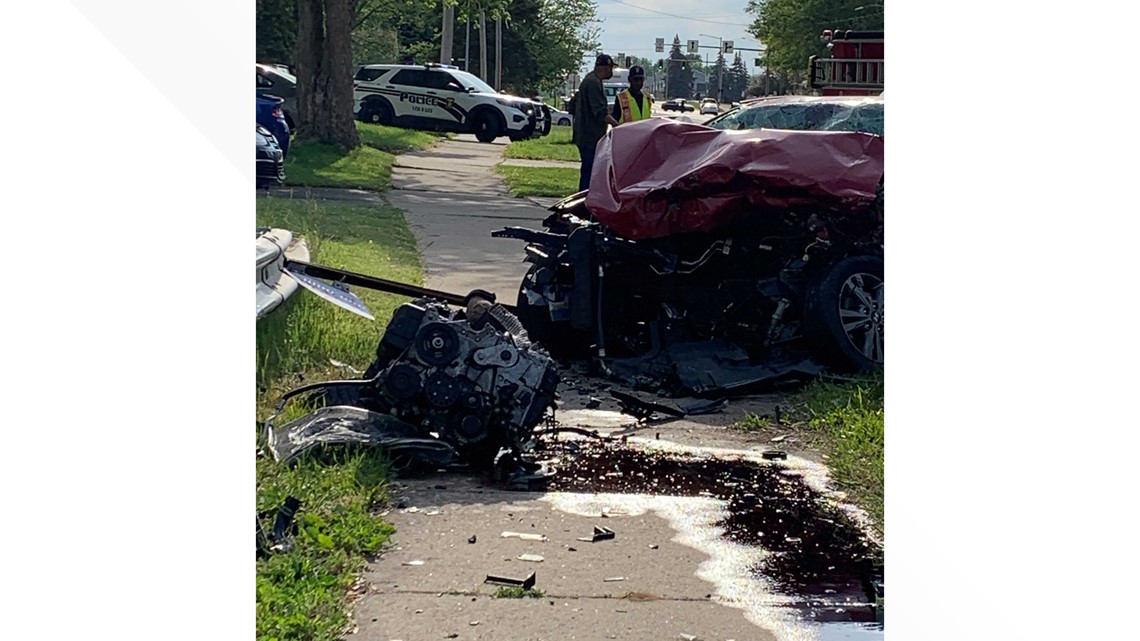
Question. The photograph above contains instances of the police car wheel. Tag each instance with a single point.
(485, 127)
(376, 113)
(565, 122)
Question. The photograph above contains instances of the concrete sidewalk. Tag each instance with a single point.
(453, 201)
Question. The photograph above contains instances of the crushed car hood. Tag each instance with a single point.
(658, 177)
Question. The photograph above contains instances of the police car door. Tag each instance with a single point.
(449, 97)
(413, 100)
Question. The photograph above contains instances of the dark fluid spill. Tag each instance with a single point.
(817, 555)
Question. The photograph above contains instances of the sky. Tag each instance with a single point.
(632, 26)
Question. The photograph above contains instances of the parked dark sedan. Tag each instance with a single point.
(270, 159)
(270, 116)
(274, 81)
(677, 104)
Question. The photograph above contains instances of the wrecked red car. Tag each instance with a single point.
(707, 260)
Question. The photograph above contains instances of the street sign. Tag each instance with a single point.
(659, 46)
(728, 46)
(694, 46)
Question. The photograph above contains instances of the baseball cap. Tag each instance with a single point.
(636, 71)
(604, 61)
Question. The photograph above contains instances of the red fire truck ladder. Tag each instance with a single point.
(855, 67)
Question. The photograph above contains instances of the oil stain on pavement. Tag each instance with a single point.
(782, 546)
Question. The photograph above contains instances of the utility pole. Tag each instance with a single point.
(467, 41)
(767, 69)
(499, 54)
(483, 45)
(448, 34)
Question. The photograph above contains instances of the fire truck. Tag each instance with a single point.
(855, 67)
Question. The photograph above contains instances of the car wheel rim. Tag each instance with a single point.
(861, 314)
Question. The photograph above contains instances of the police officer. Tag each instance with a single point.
(631, 104)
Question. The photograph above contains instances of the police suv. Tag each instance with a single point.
(444, 98)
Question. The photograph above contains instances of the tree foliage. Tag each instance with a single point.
(680, 73)
(736, 82)
(791, 28)
(545, 40)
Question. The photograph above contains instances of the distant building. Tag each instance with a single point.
(700, 82)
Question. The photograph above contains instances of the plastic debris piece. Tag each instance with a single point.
(525, 584)
(610, 579)
(415, 563)
(600, 534)
(524, 536)
(775, 455)
(472, 539)
(535, 558)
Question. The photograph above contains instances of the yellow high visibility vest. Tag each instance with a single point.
(631, 110)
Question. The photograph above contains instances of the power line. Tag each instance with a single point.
(640, 16)
(673, 15)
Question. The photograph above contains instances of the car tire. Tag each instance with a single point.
(485, 127)
(377, 112)
(564, 122)
(843, 315)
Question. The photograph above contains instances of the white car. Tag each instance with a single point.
(710, 107)
(437, 97)
(559, 117)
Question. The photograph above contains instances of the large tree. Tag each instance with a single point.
(717, 79)
(679, 75)
(323, 61)
(736, 82)
(792, 28)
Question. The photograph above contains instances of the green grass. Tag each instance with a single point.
(845, 418)
(516, 592)
(395, 139)
(554, 146)
(303, 594)
(307, 331)
(366, 167)
(540, 181)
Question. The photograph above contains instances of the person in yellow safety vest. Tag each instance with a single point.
(631, 104)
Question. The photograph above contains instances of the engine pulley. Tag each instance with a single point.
(437, 344)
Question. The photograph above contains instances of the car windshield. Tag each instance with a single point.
(810, 116)
(470, 80)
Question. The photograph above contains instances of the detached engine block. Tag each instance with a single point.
(479, 385)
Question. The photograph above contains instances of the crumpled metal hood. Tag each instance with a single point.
(657, 177)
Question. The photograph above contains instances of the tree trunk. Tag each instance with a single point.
(324, 72)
